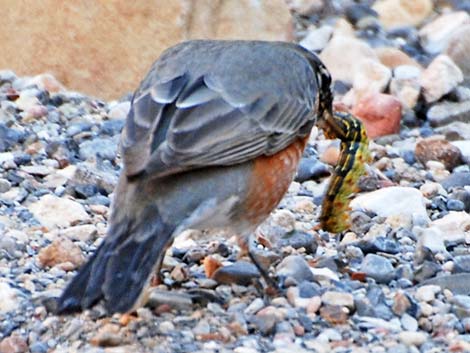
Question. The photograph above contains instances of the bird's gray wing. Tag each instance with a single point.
(217, 107)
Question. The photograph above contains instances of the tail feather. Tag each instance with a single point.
(121, 266)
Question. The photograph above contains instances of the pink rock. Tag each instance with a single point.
(380, 113)
(47, 82)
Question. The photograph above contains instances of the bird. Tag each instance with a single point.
(212, 139)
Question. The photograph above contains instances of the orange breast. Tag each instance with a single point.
(270, 180)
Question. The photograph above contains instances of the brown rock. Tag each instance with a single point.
(393, 57)
(440, 77)
(458, 49)
(61, 252)
(104, 48)
(401, 303)
(107, 336)
(381, 114)
(401, 13)
(435, 35)
(13, 344)
(438, 149)
(330, 155)
(211, 265)
(334, 314)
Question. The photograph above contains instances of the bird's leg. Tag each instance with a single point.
(271, 282)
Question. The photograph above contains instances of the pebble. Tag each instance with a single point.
(240, 272)
(392, 201)
(13, 344)
(411, 338)
(53, 211)
(63, 252)
(427, 293)
(436, 35)
(438, 149)
(396, 13)
(440, 77)
(457, 48)
(338, 298)
(10, 298)
(378, 268)
(295, 267)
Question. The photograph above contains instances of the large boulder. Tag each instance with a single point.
(104, 48)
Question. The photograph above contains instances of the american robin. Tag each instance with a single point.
(213, 138)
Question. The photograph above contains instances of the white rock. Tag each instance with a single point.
(9, 298)
(436, 34)
(370, 77)
(396, 200)
(402, 13)
(429, 239)
(53, 211)
(409, 323)
(343, 55)
(430, 189)
(427, 293)
(453, 225)
(440, 77)
(83, 232)
(119, 111)
(317, 39)
(338, 298)
(411, 338)
(464, 147)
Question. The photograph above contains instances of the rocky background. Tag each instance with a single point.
(398, 282)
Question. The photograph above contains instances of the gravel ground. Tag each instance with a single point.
(397, 282)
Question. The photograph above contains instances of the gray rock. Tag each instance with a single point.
(295, 267)
(448, 112)
(458, 283)
(173, 299)
(241, 272)
(99, 147)
(456, 180)
(378, 268)
(298, 240)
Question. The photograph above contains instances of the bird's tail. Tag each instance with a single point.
(121, 266)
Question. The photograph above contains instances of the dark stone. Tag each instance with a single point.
(297, 239)
(9, 137)
(427, 270)
(409, 157)
(240, 272)
(379, 244)
(77, 128)
(461, 264)
(85, 190)
(459, 179)
(462, 195)
(455, 205)
(378, 268)
(99, 147)
(458, 283)
(310, 169)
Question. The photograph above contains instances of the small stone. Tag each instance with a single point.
(103, 147)
(5, 185)
(458, 283)
(380, 113)
(405, 85)
(83, 232)
(241, 272)
(333, 314)
(211, 264)
(338, 298)
(202, 328)
(438, 149)
(464, 147)
(409, 323)
(46, 82)
(461, 264)
(427, 293)
(393, 58)
(299, 240)
(401, 303)
(255, 306)
(316, 39)
(392, 201)
(313, 305)
(295, 266)
(440, 77)
(411, 338)
(53, 211)
(180, 301)
(310, 169)
(107, 336)
(10, 298)
(453, 226)
(166, 327)
(448, 112)
(119, 111)
(378, 268)
(61, 252)
(436, 35)
(343, 55)
(13, 344)
(397, 13)
(266, 319)
(370, 77)
(455, 180)
(458, 49)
